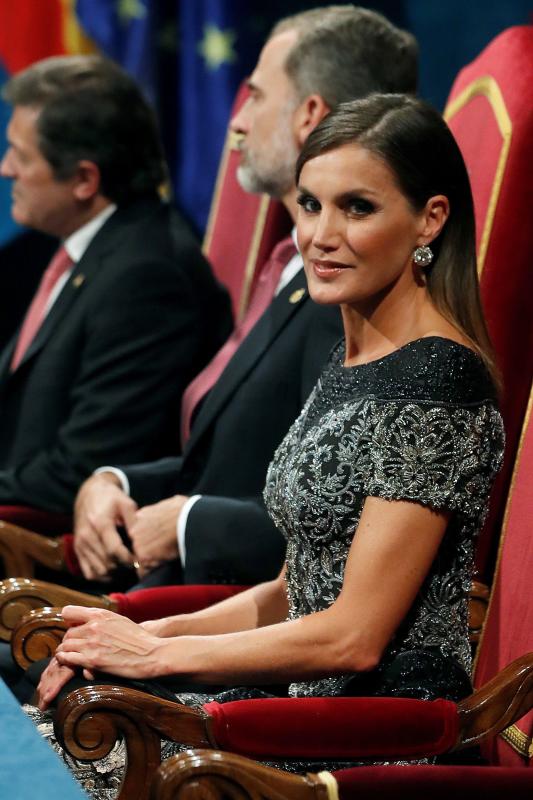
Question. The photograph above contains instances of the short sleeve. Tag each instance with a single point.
(443, 456)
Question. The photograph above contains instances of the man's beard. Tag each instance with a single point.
(271, 170)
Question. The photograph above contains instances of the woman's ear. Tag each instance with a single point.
(87, 180)
(434, 216)
(307, 116)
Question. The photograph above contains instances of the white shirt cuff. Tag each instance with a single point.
(181, 525)
(124, 482)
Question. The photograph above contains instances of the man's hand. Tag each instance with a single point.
(100, 506)
(153, 532)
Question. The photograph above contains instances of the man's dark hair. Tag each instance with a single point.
(345, 52)
(91, 109)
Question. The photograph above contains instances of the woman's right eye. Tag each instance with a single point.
(308, 203)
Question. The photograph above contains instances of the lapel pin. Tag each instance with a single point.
(78, 280)
(296, 296)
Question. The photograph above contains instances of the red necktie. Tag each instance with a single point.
(262, 295)
(36, 313)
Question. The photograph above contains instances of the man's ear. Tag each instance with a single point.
(86, 180)
(307, 116)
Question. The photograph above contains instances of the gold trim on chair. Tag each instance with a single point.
(519, 741)
(229, 145)
(330, 783)
(251, 261)
(487, 87)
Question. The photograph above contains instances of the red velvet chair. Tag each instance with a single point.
(508, 628)
(206, 773)
(89, 721)
(490, 111)
(241, 232)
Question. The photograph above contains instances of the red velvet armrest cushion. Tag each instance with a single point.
(164, 601)
(48, 523)
(436, 783)
(335, 727)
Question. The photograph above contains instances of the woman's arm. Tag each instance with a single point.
(264, 604)
(390, 556)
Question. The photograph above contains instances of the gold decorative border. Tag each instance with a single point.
(215, 201)
(487, 87)
(519, 741)
(251, 261)
(330, 783)
(231, 142)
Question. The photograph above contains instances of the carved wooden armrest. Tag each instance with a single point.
(498, 704)
(21, 548)
(37, 636)
(89, 721)
(216, 775)
(19, 596)
(478, 602)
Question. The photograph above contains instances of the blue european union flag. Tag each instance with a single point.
(218, 45)
(124, 31)
(8, 228)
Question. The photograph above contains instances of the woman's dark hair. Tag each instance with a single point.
(91, 109)
(418, 147)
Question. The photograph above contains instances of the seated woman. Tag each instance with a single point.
(382, 483)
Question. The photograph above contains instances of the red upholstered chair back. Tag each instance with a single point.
(490, 111)
(508, 630)
(242, 228)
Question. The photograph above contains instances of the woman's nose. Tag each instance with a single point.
(327, 233)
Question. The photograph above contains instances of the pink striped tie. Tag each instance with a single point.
(261, 297)
(36, 313)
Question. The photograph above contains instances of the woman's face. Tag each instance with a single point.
(356, 230)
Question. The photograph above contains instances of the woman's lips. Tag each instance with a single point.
(327, 269)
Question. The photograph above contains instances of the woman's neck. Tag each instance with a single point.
(374, 331)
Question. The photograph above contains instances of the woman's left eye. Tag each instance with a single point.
(360, 207)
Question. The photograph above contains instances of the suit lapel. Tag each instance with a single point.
(67, 296)
(81, 276)
(293, 297)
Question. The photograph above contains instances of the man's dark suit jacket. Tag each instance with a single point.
(140, 315)
(229, 536)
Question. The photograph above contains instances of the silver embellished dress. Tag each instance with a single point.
(420, 424)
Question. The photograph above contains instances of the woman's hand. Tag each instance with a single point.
(160, 627)
(104, 641)
(52, 681)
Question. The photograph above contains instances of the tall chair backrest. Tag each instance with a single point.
(242, 228)
(490, 111)
(508, 629)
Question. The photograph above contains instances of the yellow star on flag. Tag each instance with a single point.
(217, 46)
(131, 9)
